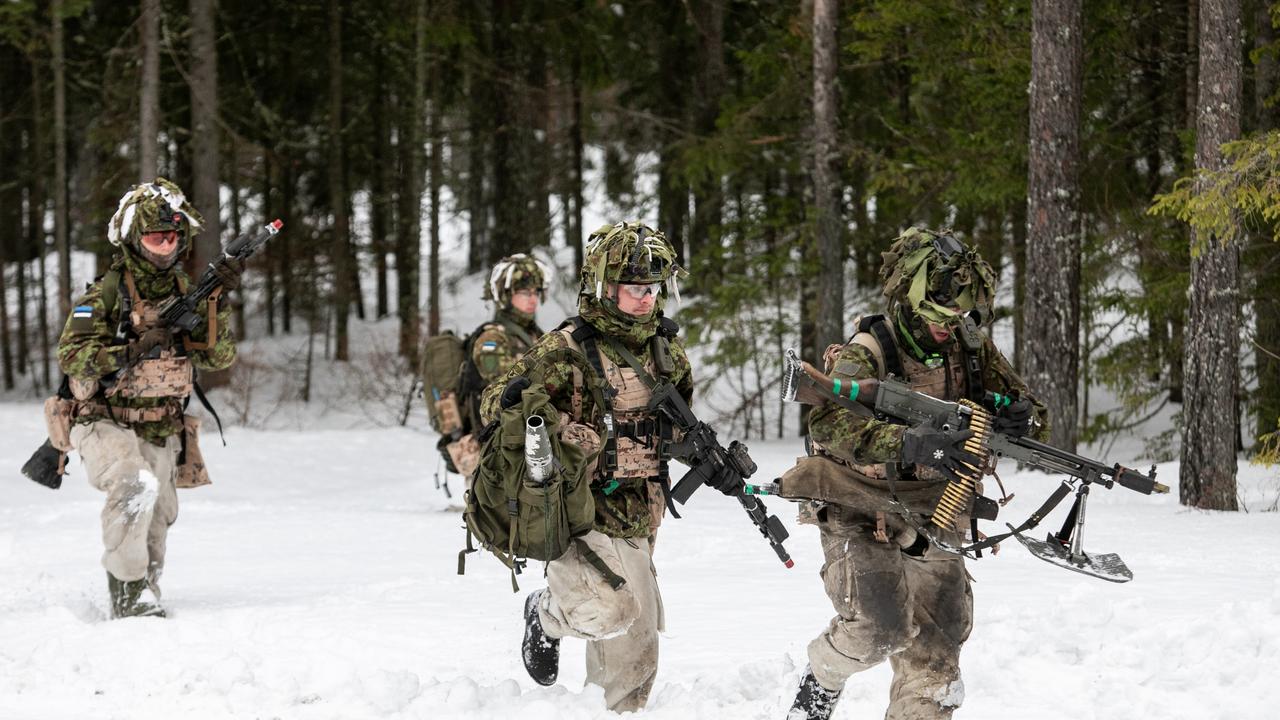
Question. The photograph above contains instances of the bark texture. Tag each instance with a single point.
(826, 182)
(1052, 314)
(1211, 366)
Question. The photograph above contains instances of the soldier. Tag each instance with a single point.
(517, 285)
(897, 597)
(130, 379)
(604, 589)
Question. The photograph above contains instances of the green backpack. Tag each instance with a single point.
(511, 515)
(442, 358)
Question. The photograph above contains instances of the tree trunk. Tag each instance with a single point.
(433, 192)
(1018, 230)
(409, 250)
(709, 83)
(380, 184)
(36, 203)
(204, 130)
(272, 250)
(574, 235)
(61, 232)
(1208, 471)
(340, 241)
(829, 314)
(233, 186)
(149, 92)
(1052, 314)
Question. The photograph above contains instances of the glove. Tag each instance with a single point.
(157, 338)
(942, 450)
(1014, 419)
(726, 481)
(229, 269)
(513, 393)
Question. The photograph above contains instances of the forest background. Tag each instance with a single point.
(1115, 161)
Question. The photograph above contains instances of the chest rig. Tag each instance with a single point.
(170, 375)
(951, 376)
(636, 441)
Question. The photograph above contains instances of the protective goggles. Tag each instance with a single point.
(640, 291)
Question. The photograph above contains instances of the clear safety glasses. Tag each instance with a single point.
(639, 292)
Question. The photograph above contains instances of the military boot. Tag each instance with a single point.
(541, 654)
(133, 598)
(813, 702)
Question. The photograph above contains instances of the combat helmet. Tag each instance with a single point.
(626, 252)
(152, 207)
(932, 277)
(517, 272)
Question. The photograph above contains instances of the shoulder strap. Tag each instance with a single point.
(879, 328)
(585, 335)
(516, 330)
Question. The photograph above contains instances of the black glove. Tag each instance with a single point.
(1014, 419)
(513, 393)
(942, 450)
(726, 481)
(229, 269)
(148, 344)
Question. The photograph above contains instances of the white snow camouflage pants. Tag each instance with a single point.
(142, 501)
(914, 612)
(620, 626)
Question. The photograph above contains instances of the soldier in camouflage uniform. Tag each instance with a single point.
(130, 377)
(517, 285)
(605, 589)
(896, 596)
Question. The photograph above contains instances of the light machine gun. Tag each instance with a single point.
(893, 399)
(710, 463)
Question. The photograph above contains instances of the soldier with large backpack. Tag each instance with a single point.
(455, 371)
(128, 380)
(898, 597)
(591, 378)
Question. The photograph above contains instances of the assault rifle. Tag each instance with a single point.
(46, 465)
(710, 463)
(897, 401)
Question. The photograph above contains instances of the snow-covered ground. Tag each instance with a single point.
(317, 579)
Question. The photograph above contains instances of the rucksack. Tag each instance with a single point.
(511, 515)
(443, 356)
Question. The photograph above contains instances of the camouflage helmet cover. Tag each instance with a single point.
(931, 273)
(628, 252)
(152, 207)
(516, 272)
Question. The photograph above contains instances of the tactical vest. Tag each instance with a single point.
(168, 376)
(638, 436)
(946, 380)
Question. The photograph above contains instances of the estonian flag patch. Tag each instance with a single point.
(488, 346)
(82, 311)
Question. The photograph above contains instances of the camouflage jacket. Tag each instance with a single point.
(497, 346)
(87, 350)
(862, 440)
(624, 512)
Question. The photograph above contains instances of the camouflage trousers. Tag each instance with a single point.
(620, 626)
(142, 502)
(915, 612)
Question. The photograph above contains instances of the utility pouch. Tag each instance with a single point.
(450, 417)
(57, 420)
(465, 454)
(984, 508)
(191, 469)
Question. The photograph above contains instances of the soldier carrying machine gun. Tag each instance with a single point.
(805, 384)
